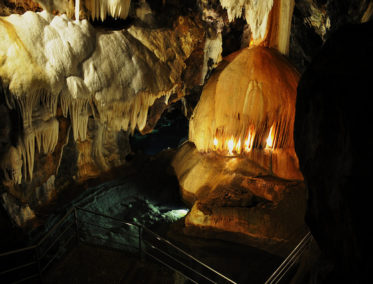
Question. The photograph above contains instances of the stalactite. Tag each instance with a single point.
(79, 118)
(114, 76)
(269, 20)
(37, 126)
(256, 14)
(46, 134)
(26, 147)
(77, 9)
(279, 25)
(100, 9)
(98, 146)
(212, 51)
(74, 100)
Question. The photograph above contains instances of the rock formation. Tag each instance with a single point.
(78, 77)
(314, 20)
(243, 177)
(234, 198)
(242, 107)
(57, 74)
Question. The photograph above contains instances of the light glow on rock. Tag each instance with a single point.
(216, 142)
(270, 138)
(242, 145)
(230, 146)
(249, 141)
(238, 147)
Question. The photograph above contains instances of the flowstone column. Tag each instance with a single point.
(239, 171)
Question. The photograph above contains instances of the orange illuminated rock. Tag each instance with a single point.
(242, 174)
(238, 199)
(200, 173)
(233, 198)
(247, 108)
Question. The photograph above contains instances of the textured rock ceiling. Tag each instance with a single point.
(115, 76)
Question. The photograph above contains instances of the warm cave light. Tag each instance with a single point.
(270, 138)
(216, 142)
(251, 42)
(230, 146)
(249, 142)
(238, 146)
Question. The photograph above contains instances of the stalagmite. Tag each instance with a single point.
(251, 95)
(242, 98)
(241, 137)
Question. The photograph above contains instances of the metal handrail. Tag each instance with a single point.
(141, 230)
(111, 241)
(55, 226)
(55, 240)
(290, 260)
(165, 264)
(26, 278)
(161, 239)
(16, 251)
(189, 256)
(53, 258)
(36, 247)
(106, 216)
(178, 261)
(17, 267)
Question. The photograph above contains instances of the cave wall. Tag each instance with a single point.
(315, 20)
(72, 91)
(331, 126)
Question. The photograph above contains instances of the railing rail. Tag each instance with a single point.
(189, 256)
(290, 261)
(53, 244)
(147, 240)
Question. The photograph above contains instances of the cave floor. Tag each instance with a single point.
(239, 262)
(91, 264)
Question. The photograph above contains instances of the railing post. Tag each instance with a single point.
(76, 225)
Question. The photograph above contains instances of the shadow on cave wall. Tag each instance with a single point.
(170, 131)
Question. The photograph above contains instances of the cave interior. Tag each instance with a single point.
(224, 132)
